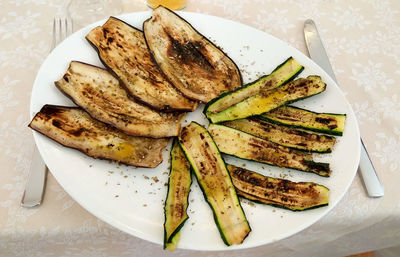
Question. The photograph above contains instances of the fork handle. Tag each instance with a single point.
(34, 188)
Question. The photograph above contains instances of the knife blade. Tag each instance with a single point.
(318, 54)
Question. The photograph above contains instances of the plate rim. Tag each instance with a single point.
(123, 227)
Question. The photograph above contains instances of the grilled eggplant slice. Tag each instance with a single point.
(100, 94)
(73, 127)
(295, 196)
(327, 123)
(243, 145)
(199, 69)
(177, 197)
(285, 136)
(123, 50)
(214, 180)
(271, 99)
(282, 74)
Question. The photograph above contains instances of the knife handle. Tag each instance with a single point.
(318, 54)
(372, 183)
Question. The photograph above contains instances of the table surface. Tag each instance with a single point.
(361, 38)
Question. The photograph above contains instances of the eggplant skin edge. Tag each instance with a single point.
(213, 44)
(179, 115)
(240, 77)
(82, 151)
(164, 108)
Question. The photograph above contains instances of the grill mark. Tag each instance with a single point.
(333, 126)
(211, 159)
(56, 123)
(65, 77)
(75, 132)
(105, 32)
(321, 168)
(287, 118)
(324, 121)
(305, 136)
(49, 110)
(255, 142)
(188, 53)
(111, 38)
(284, 190)
(177, 210)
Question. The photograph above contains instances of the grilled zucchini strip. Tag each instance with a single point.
(215, 182)
(199, 69)
(177, 197)
(100, 94)
(123, 50)
(243, 145)
(295, 196)
(285, 136)
(327, 123)
(73, 127)
(271, 99)
(282, 74)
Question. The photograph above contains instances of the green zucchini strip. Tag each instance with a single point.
(295, 196)
(215, 182)
(177, 197)
(243, 145)
(285, 136)
(271, 99)
(285, 72)
(328, 123)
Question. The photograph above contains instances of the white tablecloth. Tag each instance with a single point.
(362, 39)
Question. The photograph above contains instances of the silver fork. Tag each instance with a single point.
(34, 188)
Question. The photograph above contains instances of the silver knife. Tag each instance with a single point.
(318, 54)
(34, 188)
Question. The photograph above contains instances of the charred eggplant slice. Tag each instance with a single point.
(268, 100)
(215, 182)
(100, 94)
(123, 50)
(177, 197)
(285, 136)
(295, 196)
(243, 145)
(199, 69)
(73, 127)
(327, 123)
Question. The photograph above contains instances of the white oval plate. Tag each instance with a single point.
(131, 199)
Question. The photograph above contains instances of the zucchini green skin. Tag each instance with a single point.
(295, 196)
(285, 136)
(245, 146)
(270, 99)
(176, 202)
(282, 74)
(171, 246)
(327, 123)
(215, 182)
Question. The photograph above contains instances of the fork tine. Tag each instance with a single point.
(62, 28)
(53, 43)
(60, 36)
(66, 29)
(72, 25)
